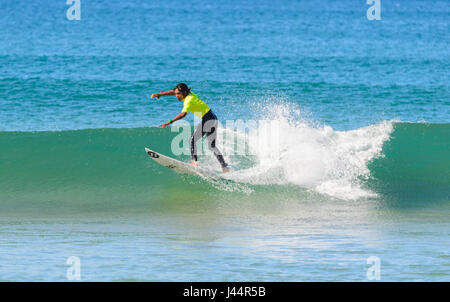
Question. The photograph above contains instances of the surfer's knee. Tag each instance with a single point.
(209, 126)
(211, 144)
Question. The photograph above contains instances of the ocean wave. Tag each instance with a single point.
(387, 159)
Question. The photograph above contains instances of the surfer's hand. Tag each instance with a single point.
(155, 95)
(164, 125)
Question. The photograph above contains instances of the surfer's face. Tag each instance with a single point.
(179, 95)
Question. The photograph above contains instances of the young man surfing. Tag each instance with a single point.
(208, 126)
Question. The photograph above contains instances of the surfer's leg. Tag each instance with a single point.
(198, 133)
(211, 133)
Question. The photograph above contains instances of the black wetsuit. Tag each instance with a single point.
(208, 126)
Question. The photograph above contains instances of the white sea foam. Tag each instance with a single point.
(315, 157)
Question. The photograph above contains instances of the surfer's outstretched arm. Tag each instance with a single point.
(178, 117)
(160, 94)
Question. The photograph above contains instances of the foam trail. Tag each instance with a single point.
(310, 156)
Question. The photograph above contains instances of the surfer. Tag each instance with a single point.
(208, 126)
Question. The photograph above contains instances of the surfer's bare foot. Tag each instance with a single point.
(194, 163)
(225, 169)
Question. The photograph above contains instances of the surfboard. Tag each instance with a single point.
(179, 166)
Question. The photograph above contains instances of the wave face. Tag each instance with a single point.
(397, 161)
(415, 166)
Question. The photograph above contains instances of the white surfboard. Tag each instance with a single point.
(179, 166)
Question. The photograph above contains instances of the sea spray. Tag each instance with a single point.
(300, 152)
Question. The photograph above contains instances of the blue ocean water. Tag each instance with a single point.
(363, 108)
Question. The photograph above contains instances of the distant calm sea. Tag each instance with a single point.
(363, 109)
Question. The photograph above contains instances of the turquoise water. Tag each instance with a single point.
(362, 109)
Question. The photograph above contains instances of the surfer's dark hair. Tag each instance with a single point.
(183, 88)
